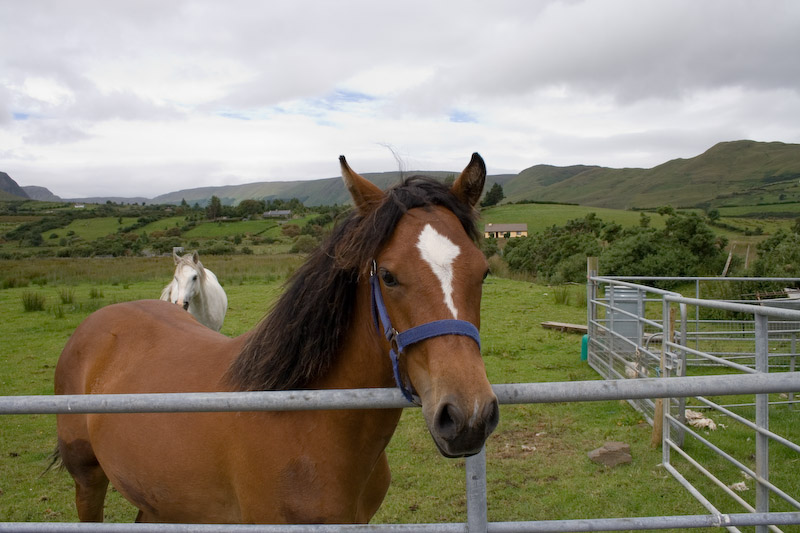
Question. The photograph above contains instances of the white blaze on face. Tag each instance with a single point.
(440, 253)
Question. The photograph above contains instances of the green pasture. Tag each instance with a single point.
(539, 217)
(783, 209)
(90, 229)
(163, 225)
(537, 463)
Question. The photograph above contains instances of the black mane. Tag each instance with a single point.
(299, 339)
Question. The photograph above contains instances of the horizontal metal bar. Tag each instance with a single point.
(675, 347)
(643, 288)
(551, 392)
(732, 460)
(689, 278)
(645, 523)
(707, 473)
(742, 420)
(547, 526)
(772, 312)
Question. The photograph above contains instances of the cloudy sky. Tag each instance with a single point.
(139, 98)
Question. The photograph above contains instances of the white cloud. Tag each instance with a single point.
(179, 94)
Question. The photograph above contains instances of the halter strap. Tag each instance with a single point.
(398, 341)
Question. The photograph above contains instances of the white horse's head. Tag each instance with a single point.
(189, 275)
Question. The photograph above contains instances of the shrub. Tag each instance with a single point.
(11, 283)
(217, 248)
(304, 244)
(32, 301)
(561, 295)
(67, 296)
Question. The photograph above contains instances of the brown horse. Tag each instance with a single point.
(417, 241)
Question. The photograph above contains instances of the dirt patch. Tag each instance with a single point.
(521, 443)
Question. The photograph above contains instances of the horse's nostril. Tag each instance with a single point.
(491, 416)
(449, 421)
(185, 306)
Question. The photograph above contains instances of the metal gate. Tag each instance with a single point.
(674, 339)
(756, 383)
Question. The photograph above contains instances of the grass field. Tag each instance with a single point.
(90, 229)
(539, 217)
(537, 464)
(265, 236)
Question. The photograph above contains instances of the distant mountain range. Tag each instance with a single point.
(729, 173)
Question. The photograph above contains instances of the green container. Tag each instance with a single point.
(584, 347)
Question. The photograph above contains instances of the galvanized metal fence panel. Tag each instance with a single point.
(757, 346)
(392, 398)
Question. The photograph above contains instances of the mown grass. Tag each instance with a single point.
(537, 463)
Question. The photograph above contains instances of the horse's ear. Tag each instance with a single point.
(366, 196)
(175, 257)
(196, 257)
(469, 185)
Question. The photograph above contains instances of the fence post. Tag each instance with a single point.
(792, 364)
(666, 328)
(591, 297)
(762, 418)
(591, 291)
(477, 516)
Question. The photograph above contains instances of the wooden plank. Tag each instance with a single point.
(564, 326)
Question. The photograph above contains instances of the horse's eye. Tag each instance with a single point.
(388, 278)
(194, 278)
(486, 274)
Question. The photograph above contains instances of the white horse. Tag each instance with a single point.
(197, 290)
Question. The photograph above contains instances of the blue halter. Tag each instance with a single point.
(399, 341)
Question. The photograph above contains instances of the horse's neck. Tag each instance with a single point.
(363, 359)
(210, 300)
(363, 362)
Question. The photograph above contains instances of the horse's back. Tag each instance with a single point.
(143, 346)
(140, 347)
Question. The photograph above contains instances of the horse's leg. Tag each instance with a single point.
(375, 490)
(91, 481)
(144, 518)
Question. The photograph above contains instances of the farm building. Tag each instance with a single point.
(505, 231)
(278, 213)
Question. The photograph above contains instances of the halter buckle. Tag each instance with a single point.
(391, 336)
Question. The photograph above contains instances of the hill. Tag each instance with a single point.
(10, 189)
(729, 173)
(735, 173)
(327, 191)
(42, 194)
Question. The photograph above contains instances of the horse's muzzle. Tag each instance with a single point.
(458, 434)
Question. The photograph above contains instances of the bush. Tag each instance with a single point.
(685, 247)
(304, 244)
(489, 247)
(778, 256)
(67, 296)
(32, 301)
(217, 248)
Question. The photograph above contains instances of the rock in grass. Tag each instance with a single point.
(611, 454)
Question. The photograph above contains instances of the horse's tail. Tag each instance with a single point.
(55, 461)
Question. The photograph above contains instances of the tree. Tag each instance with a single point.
(494, 196)
(214, 209)
(248, 208)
